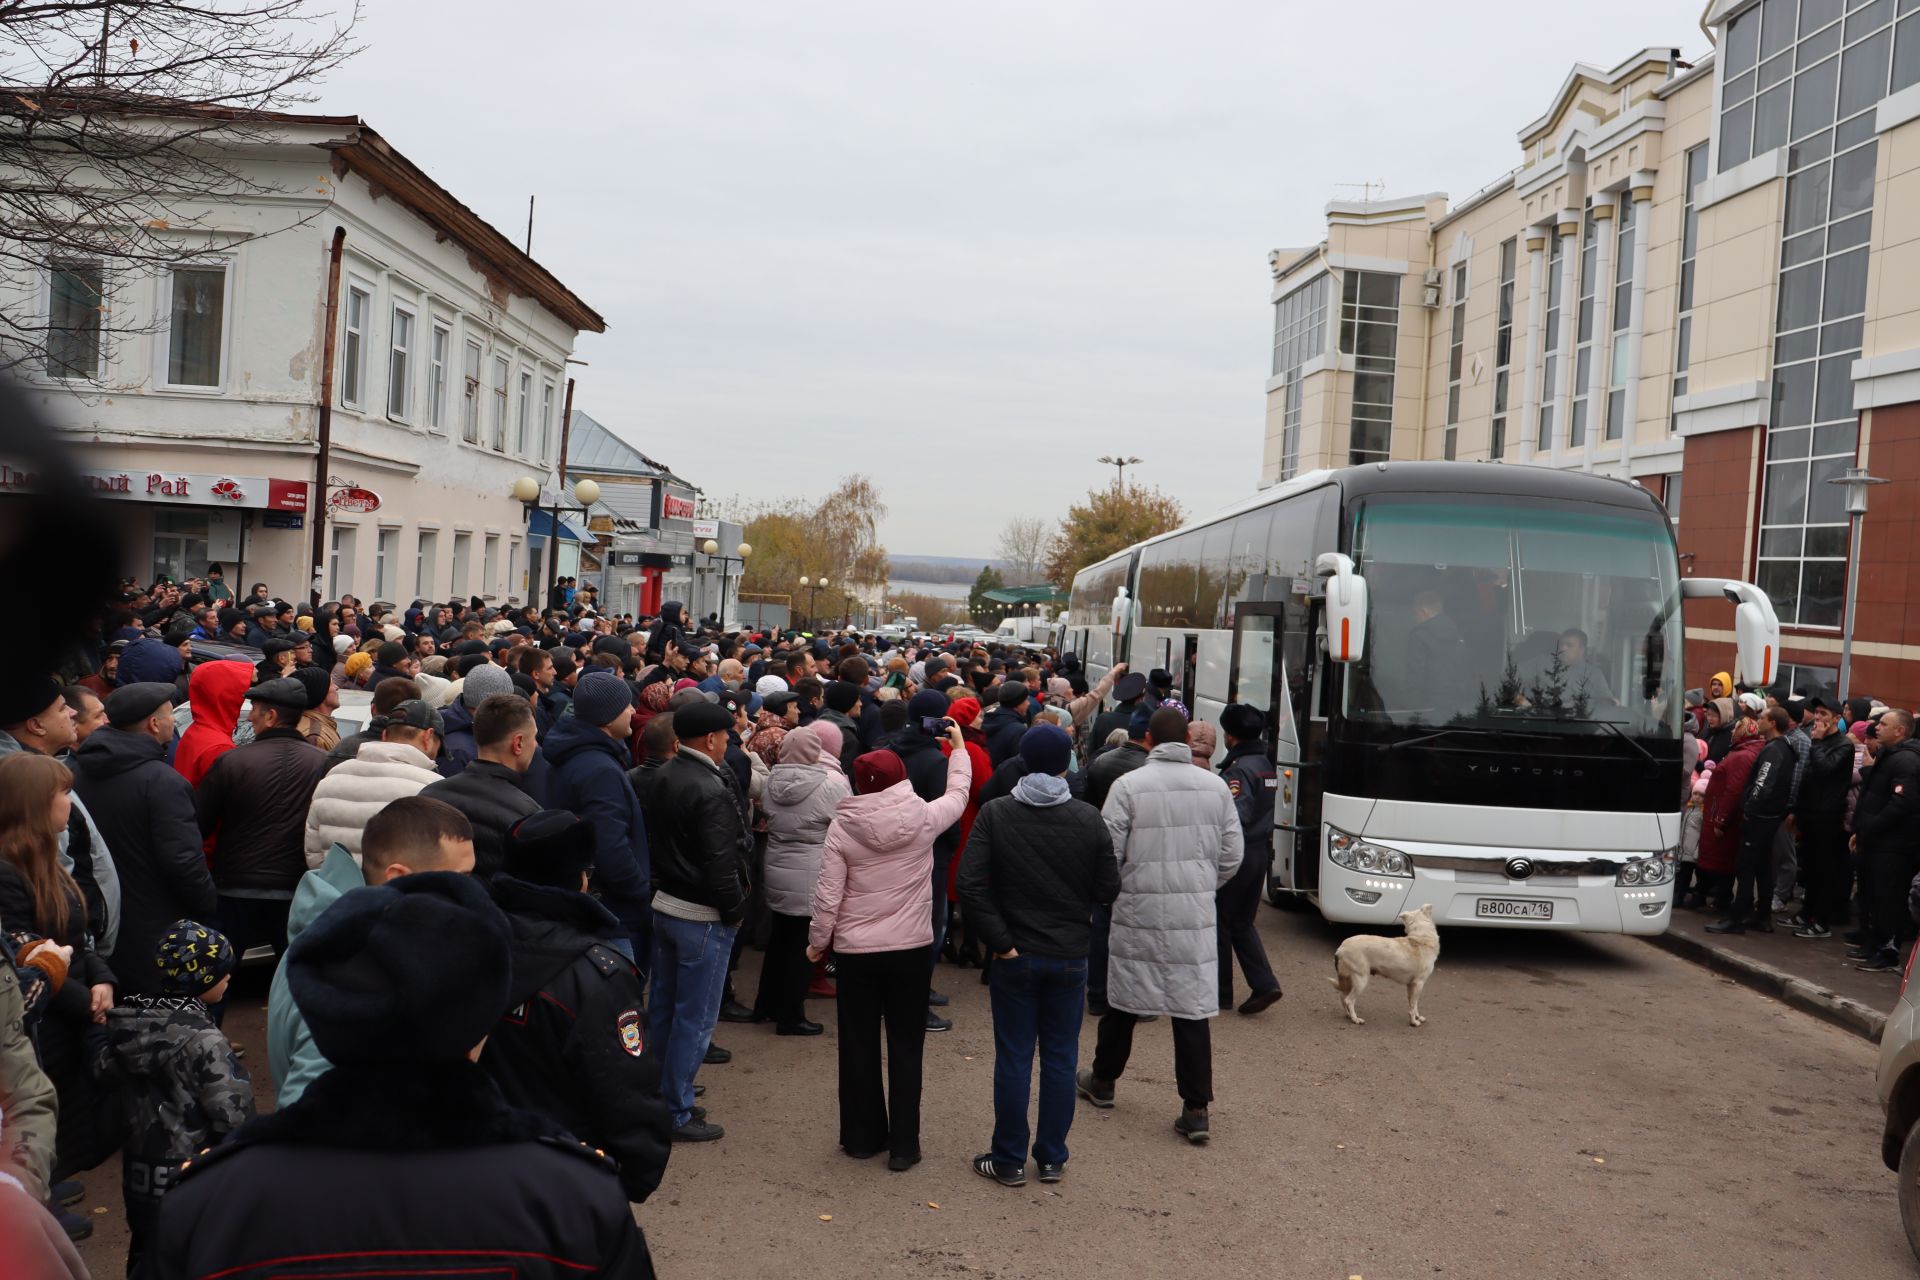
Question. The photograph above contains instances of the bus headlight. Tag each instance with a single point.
(1355, 854)
(1655, 868)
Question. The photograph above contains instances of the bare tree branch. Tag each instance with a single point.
(118, 118)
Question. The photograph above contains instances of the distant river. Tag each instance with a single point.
(939, 590)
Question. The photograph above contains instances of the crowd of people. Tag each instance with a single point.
(1806, 802)
(503, 918)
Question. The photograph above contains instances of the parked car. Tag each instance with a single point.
(1898, 1082)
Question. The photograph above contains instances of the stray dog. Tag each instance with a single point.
(1409, 960)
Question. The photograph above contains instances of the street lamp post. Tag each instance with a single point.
(1120, 466)
(1856, 482)
(741, 552)
(813, 590)
(527, 490)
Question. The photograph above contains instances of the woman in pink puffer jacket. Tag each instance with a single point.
(873, 908)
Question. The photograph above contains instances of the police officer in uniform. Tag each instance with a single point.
(1251, 778)
(572, 1044)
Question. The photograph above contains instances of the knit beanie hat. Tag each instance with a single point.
(770, 684)
(876, 771)
(598, 698)
(1013, 694)
(486, 680)
(192, 959)
(373, 994)
(927, 703)
(358, 664)
(841, 696)
(1047, 749)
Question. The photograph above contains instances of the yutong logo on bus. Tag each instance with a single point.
(1519, 868)
(1531, 771)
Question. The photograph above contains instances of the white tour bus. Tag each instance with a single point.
(1471, 674)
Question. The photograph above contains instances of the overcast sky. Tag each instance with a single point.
(965, 249)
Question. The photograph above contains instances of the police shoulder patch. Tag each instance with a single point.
(608, 961)
(1233, 785)
(574, 1147)
(627, 1025)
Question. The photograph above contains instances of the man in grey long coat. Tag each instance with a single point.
(1177, 837)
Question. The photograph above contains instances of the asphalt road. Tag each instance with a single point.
(1575, 1106)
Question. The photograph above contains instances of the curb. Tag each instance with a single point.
(1830, 1006)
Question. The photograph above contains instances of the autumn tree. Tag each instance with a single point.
(985, 612)
(121, 125)
(1110, 520)
(836, 537)
(1023, 546)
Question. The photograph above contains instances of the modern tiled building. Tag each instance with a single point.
(1704, 277)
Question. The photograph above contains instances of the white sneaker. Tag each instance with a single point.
(1779, 904)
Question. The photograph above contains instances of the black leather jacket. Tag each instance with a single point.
(700, 845)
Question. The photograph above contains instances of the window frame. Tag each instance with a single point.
(1503, 349)
(549, 392)
(227, 265)
(404, 384)
(439, 356)
(1456, 360)
(353, 345)
(502, 369)
(472, 429)
(523, 415)
(65, 263)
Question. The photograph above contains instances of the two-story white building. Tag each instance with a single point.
(206, 396)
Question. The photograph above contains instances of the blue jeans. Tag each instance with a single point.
(1035, 999)
(689, 973)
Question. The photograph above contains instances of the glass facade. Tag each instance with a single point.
(1370, 334)
(1456, 351)
(1625, 232)
(1696, 173)
(1583, 343)
(1503, 351)
(1299, 335)
(1806, 74)
(1550, 343)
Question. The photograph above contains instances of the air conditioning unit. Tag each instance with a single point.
(1431, 295)
(1434, 277)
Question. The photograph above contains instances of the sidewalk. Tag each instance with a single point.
(1814, 977)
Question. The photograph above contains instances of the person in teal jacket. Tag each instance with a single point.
(409, 835)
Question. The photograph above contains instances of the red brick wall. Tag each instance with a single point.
(1716, 501)
(1720, 495)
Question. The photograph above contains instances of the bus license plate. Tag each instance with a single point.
(1514, 909)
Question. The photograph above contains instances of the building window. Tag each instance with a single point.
(437, 356)
(1299, 335)
(1503, 351)
(501, 372)
(1583, 338)
(1809, 77)
(179, 545)
(1795, 678)
(470, 394)
(74, 308)
(1670, 498)
(1695, 174)
(400, 365)
(516, 571)
(462, 564)
(490, 565)
(426, 555)
(1620, 339)
(1550, 343)
(353, 349)
(523, 416)
(1789, 76)
(196, 326)
(1370, 333)
(386, 555)
(546, 421)
(340, 561)
(1456, 355)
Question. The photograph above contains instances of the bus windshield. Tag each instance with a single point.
(1511, 614)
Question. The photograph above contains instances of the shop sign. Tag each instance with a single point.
(706, 528)
(675, 507)
(282, 520)
(182, 488)
(355, 499)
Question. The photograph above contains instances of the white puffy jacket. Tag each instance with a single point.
(354, 790)
(800, 801)
(1177, 837)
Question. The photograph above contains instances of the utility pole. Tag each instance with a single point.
(1120, 466)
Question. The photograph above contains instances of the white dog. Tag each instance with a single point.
(1409, 960)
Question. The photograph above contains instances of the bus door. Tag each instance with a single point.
(1189, 664)
(1259, 679)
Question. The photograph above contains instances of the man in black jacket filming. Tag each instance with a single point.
(572, 1044)
(1036, 865)
(1886, 835)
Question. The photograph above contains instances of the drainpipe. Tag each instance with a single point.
(322, 460)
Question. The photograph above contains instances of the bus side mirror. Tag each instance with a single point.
(1757, 633)
(1346, 607)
